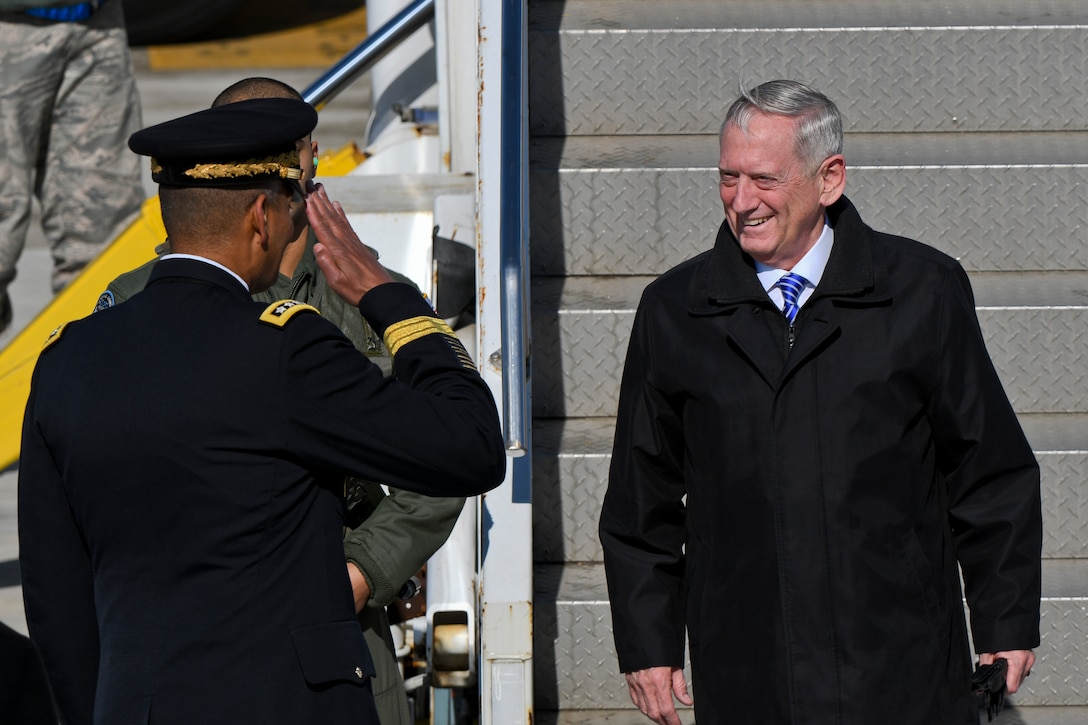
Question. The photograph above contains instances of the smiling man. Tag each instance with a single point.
(810, 438)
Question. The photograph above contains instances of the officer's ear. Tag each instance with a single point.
(258, 218)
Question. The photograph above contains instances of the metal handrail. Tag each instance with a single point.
(514, 201)
(514, 228)
(360, 58)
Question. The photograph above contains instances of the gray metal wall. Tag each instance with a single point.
(967, 128)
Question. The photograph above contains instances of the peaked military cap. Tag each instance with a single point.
(233, 144)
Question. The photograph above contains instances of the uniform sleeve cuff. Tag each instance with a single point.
(392, 302)
(381, 590)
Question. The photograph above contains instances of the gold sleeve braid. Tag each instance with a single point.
(401, 333)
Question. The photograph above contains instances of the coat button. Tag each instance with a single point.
(359, 672)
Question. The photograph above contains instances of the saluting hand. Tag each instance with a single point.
(350, 267)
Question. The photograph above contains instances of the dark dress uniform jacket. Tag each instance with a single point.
(831, 489)
(181, 497)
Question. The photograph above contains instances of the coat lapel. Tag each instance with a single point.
(850, 280)
(727, 284)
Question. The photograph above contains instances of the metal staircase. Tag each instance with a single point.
(967, 128)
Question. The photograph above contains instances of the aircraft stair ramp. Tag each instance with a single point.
(967, 128)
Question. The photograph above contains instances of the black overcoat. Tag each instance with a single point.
(830, 490)
(181, 496)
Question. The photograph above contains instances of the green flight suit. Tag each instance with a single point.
(390, 536)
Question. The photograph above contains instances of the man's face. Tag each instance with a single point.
(774, 206)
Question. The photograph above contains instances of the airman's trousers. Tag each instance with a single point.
(68, 103)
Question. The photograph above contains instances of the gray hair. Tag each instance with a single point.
(819, 126)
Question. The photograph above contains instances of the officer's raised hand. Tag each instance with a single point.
(350, 267)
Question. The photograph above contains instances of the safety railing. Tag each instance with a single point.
(514, 203)
(367, 53)
(514, 229)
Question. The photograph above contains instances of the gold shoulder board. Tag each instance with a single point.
(279, 313)
(53, 337)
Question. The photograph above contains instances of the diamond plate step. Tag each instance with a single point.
(576, 665)
(574, 655)
(1011, 715)
(753, 14)
(581, 327)
(633, 68)
(570, 473)
(625, 103)
(997, 202)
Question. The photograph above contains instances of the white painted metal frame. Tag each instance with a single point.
(506, 674)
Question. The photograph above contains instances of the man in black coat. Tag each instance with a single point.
(811, 437)
(181, 479)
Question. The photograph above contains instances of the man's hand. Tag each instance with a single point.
(1020, 664)
(350, 267)
(360, 590)
(652, 691)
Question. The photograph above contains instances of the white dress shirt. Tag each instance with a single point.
(212, 262)
(811, 267)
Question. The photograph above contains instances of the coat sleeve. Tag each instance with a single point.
(58, 591)
(992, 478)
(642, 525)
(433, 429)
(403, 531)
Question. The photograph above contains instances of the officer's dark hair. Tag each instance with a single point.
(248, 89)
(193, 213)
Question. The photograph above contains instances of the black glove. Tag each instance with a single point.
(988, 684)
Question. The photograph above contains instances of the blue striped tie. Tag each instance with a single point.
(791, 285)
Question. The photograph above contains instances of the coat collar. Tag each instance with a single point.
(727, 280)
(195, 270)
(728, 277)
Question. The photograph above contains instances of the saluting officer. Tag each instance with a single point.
(180, 490)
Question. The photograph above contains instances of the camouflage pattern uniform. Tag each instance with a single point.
(68, 103)
(390, 536)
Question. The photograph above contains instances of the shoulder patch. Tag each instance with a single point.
(280, 313)
(53, 337)
(105, 301)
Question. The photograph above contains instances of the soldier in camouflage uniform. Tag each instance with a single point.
(387, 538)
(68, 104)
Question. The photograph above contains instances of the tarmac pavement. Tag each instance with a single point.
(164, 95)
